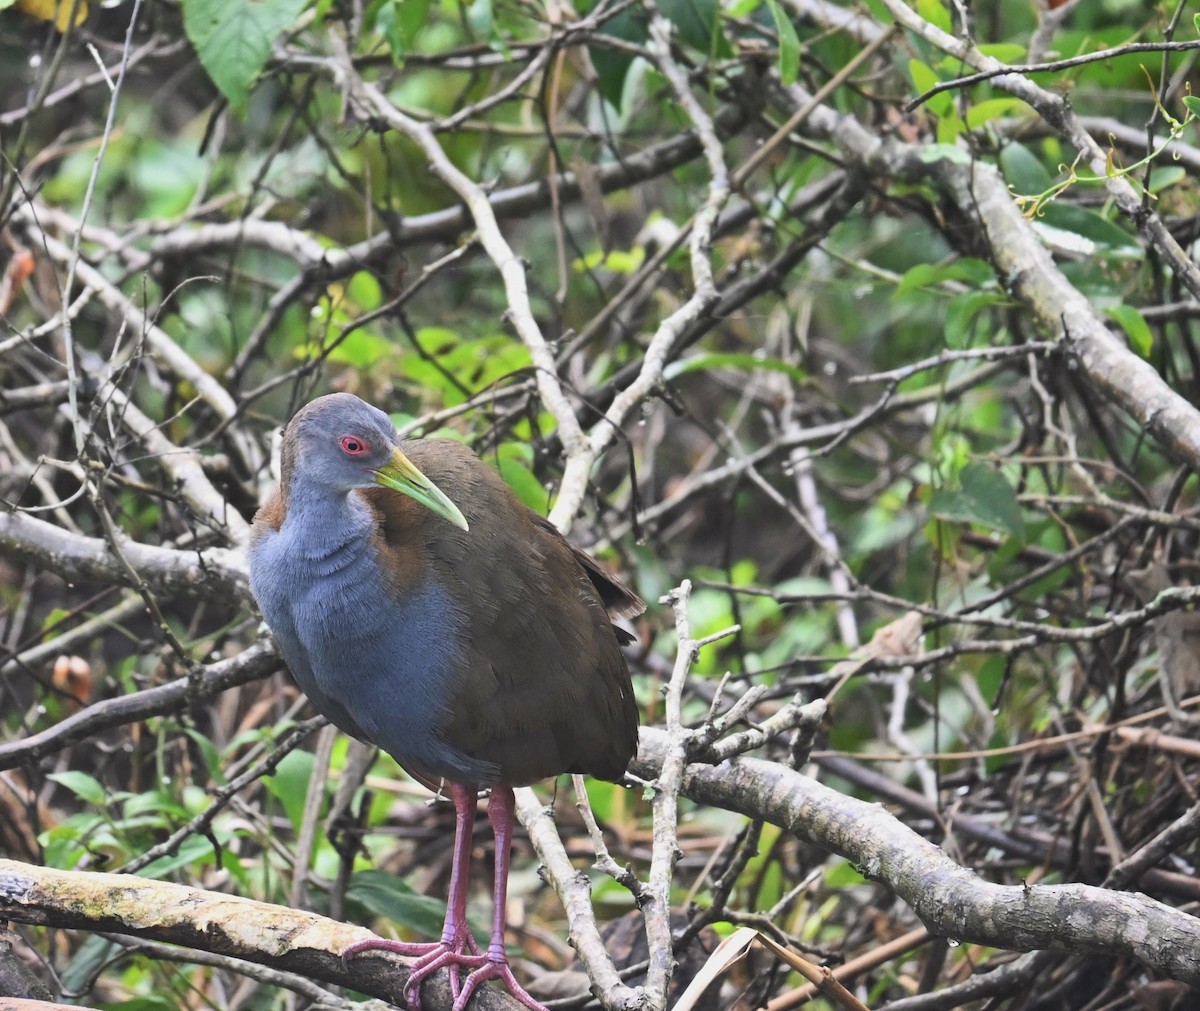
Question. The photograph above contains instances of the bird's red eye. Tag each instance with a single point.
(352, 445)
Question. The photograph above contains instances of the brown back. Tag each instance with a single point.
(542, 687)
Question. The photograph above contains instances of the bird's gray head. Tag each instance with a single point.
(339, 443)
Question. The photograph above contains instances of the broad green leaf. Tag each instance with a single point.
(936, 13)
(436, 339)
(1023, 170)
(289, 783)
(191, 850)
(697, 23)
(925, 275)
(400, 21)
(169, 175)
(1005, 52)
(384, 894)
(152, 802)
(86, 963)
(212, 758)
(513, 461)
(924, 79)
(612, 65)
(61, 844)
(1191, 101)
(482, 18)
(995, 108)
(1110, 239)
(53, 618)
(984, 497)
(1135, 327)
(359, 349)
(789, 44)
(364, 291)
(1166, 176)
(85, 787)
(233, 39)
(620, 261)
(842, 874)
(961, 314)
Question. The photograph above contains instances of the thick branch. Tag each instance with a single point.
(283, 938)
(211, 573)
(951, 900)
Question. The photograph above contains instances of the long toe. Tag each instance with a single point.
(417, 949)
(493, 969)
(430, 956)
(445, 957)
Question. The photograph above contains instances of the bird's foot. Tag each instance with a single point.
(455, 953)
(497, 968)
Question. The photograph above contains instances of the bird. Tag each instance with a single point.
(424, 609)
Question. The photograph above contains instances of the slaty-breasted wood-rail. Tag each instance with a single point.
(424, 609)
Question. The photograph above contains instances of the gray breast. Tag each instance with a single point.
(379, 669)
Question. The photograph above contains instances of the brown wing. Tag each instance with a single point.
(541, 686)
(618, 599)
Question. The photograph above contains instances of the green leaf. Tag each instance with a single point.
(1191, 101)
(984, 497)
(1109, 239)
(512, 460)
(212, 758)
(842, 874)
(1135, 327)
(1023, 170)
(290, 784)
(155, 803)
(85, 965)
(482, 18)
(400, 21)
(961, 314)
(54, 617)
(789, 44)
(926, 275)
(233, 39)
(84, 787)
(1166, 176)
(191, 850)
(384, 894)
(924, 79)
(936, 13)
(612, 65)
(995, 108)
(697, 22)
(1005, 52)
(364, 291)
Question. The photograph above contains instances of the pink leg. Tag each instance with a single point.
(457, 947)
(495, 963)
